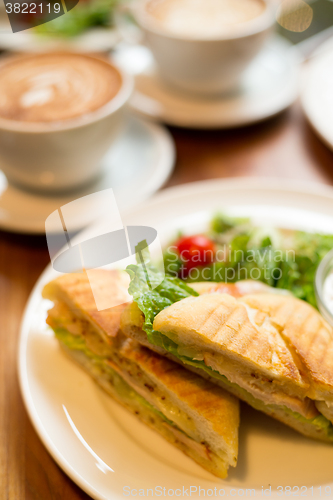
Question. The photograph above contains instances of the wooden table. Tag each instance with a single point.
(282, 147)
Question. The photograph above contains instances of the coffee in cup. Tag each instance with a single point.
(203, 19)
(59, 114)
(55, 88)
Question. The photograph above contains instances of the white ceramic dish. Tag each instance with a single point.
(102, 447)
(136, 167)
(317, 95)
(269, 86)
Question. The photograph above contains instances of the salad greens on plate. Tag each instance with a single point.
(280, 258)
(88, 14)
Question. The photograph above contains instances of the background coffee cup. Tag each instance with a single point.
(205, 65)
(62, 155)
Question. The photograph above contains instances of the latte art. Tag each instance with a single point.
(203, 18)
(55, 87)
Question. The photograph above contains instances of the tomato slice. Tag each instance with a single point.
(195, 251)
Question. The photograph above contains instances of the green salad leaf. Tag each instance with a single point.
(84, 16)
(153, 293)
(280, 258)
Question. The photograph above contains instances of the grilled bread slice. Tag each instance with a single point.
(194, 414)
(247, 344)
(276, 347)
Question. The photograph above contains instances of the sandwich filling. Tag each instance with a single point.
(180, 425)
(261, 390)
(132, 386)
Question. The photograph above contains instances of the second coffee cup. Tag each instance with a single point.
(204, 46)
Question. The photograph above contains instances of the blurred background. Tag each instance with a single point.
(297, 21)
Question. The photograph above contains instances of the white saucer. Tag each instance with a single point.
(270, 85)
(317, 94)
(136, 167)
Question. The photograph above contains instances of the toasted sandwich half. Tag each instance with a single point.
(271, 350)
(198, 417)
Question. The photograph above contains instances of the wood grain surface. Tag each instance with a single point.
(281, 147)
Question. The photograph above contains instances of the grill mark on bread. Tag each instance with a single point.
(236, 338)
(299, 364)
(310, 338)
(206, 326)
(297, 367)
(244, 342)
(310, 329)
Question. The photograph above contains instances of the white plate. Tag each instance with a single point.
(101, 446)
(136, 167)
(317, 94)
(94, 40)
(269, 86)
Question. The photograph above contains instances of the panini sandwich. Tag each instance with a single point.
(198, 417)
(271, 350)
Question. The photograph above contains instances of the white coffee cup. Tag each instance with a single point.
(62, 155)
(200, 65)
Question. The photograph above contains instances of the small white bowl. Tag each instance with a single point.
(323, 274)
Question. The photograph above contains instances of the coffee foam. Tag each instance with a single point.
(55, 87)
(203, 18)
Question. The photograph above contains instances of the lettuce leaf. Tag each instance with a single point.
(152, 298)
(85, 16)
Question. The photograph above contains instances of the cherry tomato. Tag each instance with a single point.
(195, 251)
